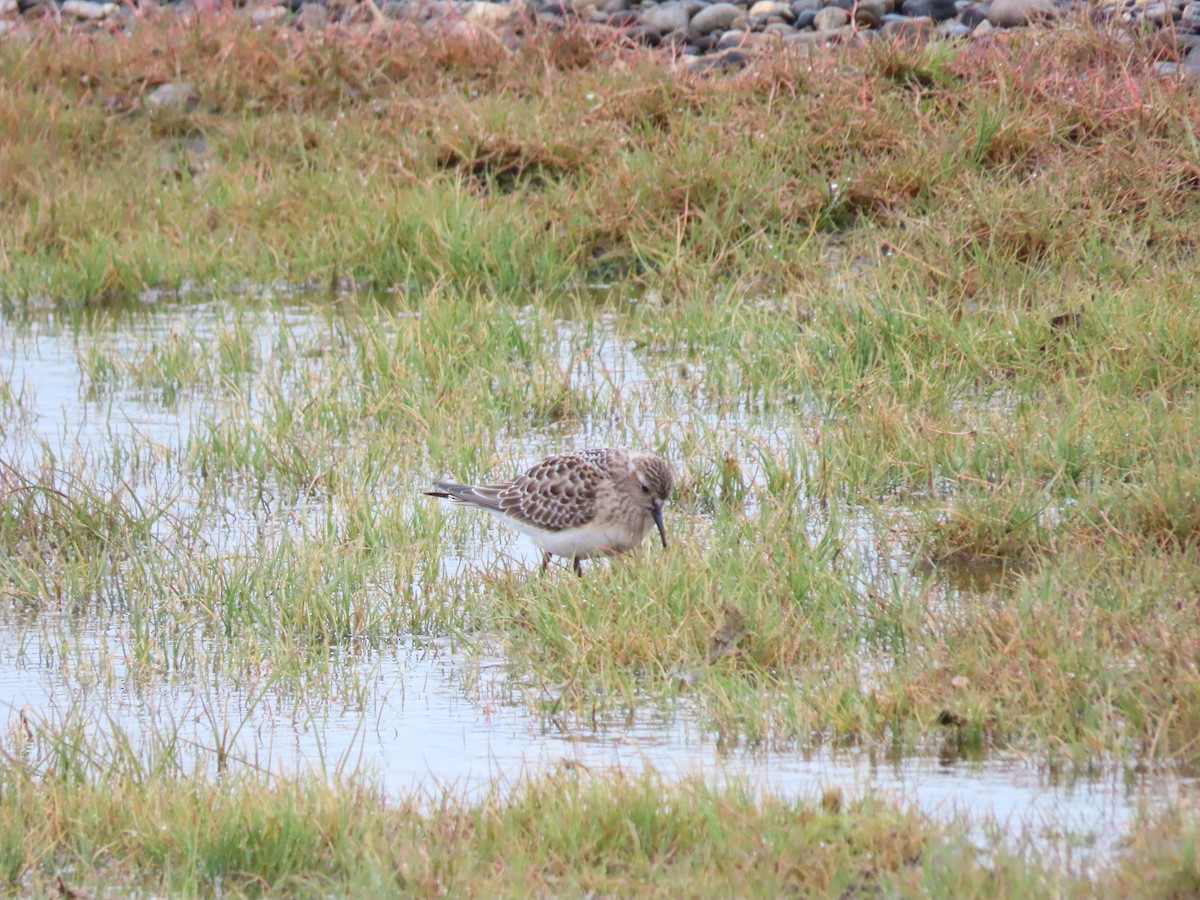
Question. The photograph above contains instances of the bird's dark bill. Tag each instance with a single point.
(656, 511)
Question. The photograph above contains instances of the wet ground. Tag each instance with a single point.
(437, 712)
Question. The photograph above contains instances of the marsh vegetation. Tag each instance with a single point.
(916, 326)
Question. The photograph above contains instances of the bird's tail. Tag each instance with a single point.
(483, 496)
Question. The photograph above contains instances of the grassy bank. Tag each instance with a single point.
(399, 158)
(119, 821)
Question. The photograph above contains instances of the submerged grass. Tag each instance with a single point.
(914, 324)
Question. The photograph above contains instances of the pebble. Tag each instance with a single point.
(938, 10)
(482, 12)
(953, 29)
(266, 15)
(771, 8)
(1158, 14)
(869, 13)
(192, 156)
(666, 17)
(173, 95)
(312, 17)
(718, 17)
(38, 10)
(731, 39)
(915, 29)
(726, 59)
(715, 35)
(831, 18)
(86, 9)
(973, 13)
(1011, 13)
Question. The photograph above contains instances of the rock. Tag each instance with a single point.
(399, 9)
(718, 17)
(916, 30)
(1011, 13)
(778, 29)
(799, 7)
(86, 9)
(676, 39)
(625, 18)
(312, 17)
(807, 40)
(192, 157)
(1191, 62)
(174, 95)
(974, 13)
(805, 19)
(767, 8)
(731, 39)
(953, 29)
(266, 15)
(642, 34)
(982, 30)
(868, 13)
(9, 7)
(491, 15)
(831, 18)
(1189, 19)
(938, 10)
(1159, 14)
(666, 17)
(40, 9)
(728, 59)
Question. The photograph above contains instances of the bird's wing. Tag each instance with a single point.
(556, 494)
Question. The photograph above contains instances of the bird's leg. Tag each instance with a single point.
(545, 561)
(578, 563)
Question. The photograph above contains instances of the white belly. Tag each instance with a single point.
(583, 542)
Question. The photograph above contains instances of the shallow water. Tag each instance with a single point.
(428, 712)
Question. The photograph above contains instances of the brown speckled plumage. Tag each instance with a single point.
(594, 502)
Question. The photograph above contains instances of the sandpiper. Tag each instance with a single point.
(577, 505)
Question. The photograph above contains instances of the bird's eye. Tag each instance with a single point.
(645, 488)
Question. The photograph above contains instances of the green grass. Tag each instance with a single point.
(136, 827)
